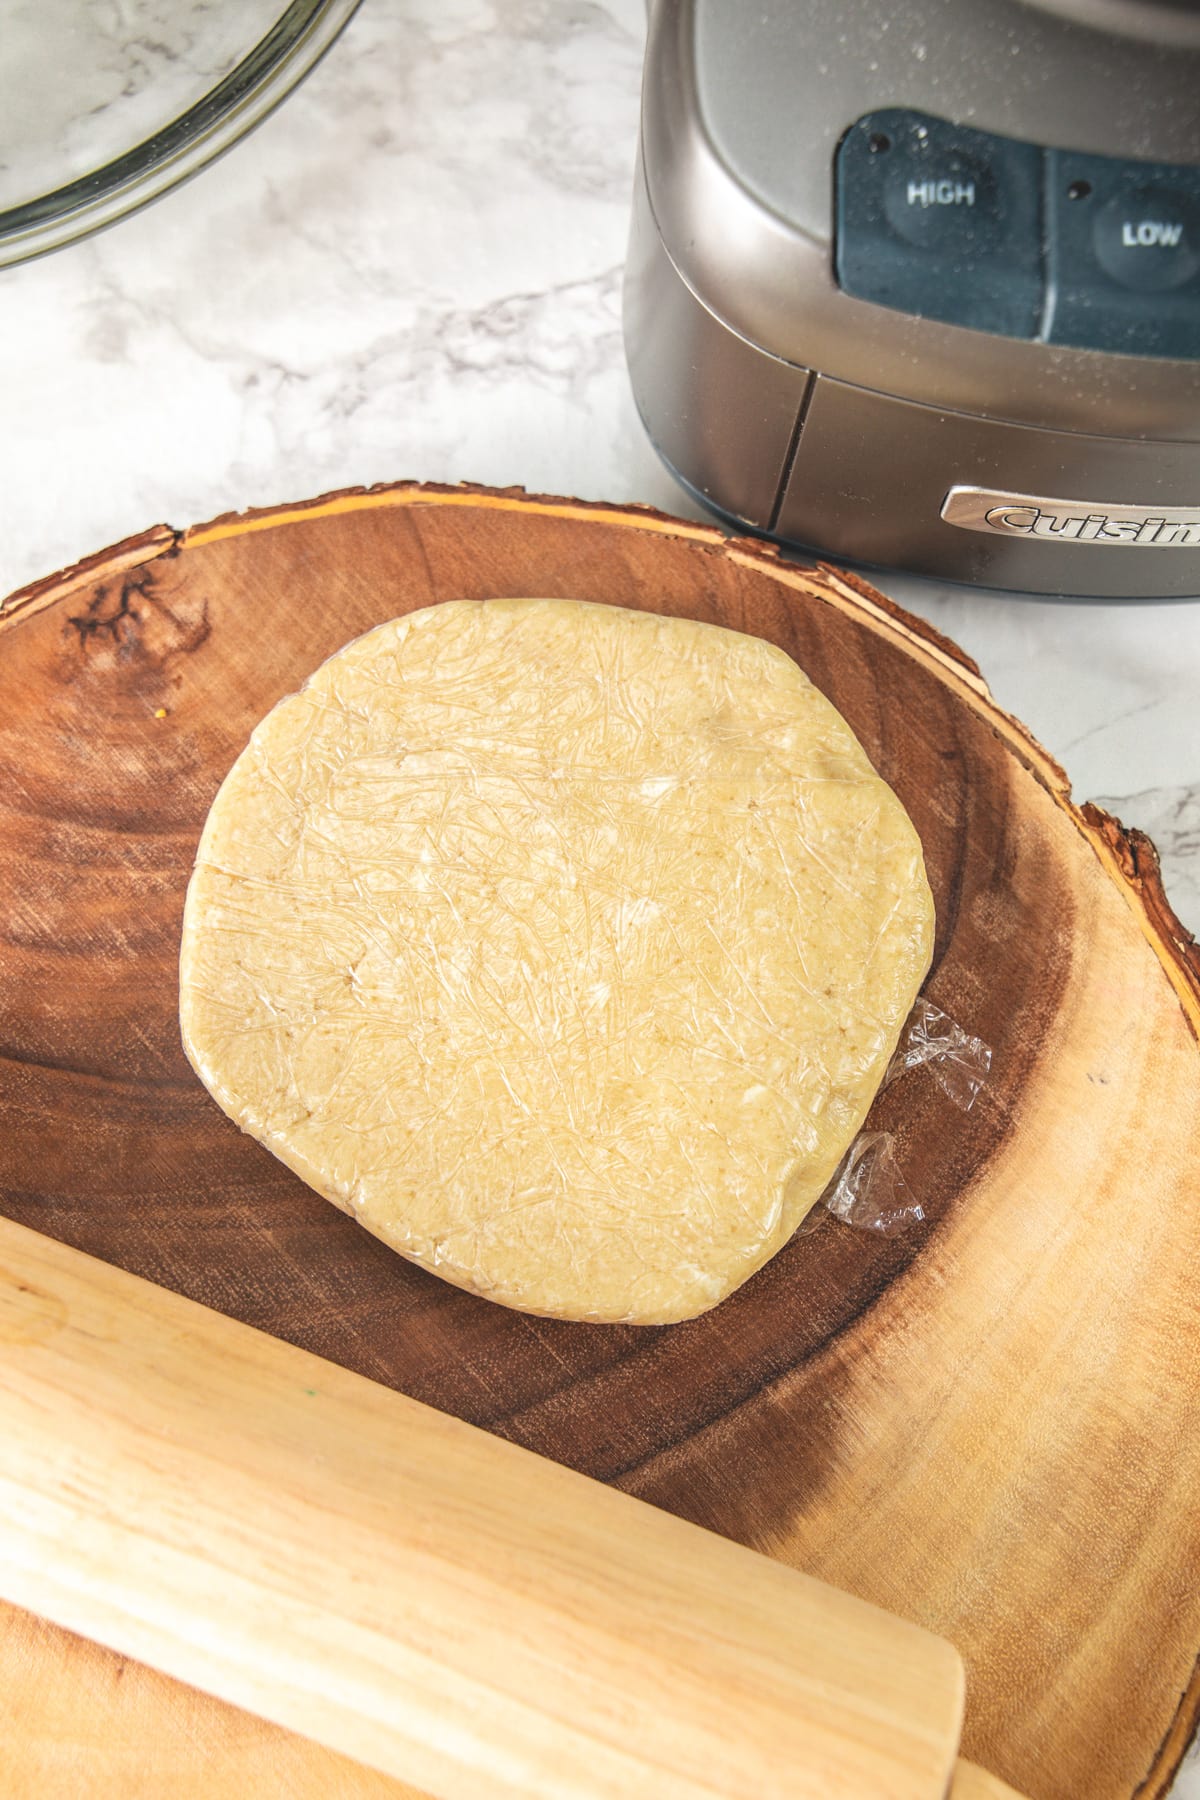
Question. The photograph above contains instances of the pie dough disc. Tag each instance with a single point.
(563, 946)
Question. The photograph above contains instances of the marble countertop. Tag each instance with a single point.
(413, 269)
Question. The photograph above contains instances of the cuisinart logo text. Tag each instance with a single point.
(1074, 521)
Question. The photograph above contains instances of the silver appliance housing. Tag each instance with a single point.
(831, 422)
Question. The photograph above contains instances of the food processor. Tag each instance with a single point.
(918, 285)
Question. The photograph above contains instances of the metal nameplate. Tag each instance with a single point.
(1073, 521)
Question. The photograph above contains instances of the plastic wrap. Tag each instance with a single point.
(869, 1191)
(958, 1062)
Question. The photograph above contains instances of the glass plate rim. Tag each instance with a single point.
(242, 99)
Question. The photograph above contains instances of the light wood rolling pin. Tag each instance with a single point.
(413, 1592)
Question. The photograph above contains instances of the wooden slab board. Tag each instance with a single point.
(986, 1425)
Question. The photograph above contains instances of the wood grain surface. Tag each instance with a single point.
(986, 1425)
(412, 1591)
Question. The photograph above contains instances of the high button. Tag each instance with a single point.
(942, 221)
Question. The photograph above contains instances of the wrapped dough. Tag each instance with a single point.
(562, 946)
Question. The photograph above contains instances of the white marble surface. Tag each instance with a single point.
(413, 269)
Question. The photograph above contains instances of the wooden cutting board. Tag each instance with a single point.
(985, 1425)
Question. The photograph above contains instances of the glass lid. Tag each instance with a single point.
(105, 104)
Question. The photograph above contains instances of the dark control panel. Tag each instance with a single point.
(960, 225)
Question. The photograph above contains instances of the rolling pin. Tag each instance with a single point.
(415, 1593)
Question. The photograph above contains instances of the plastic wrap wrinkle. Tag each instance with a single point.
(958, 1062)
(868, 1190)
(563, 946)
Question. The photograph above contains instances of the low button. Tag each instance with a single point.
(932, 199)
(1148, 239)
